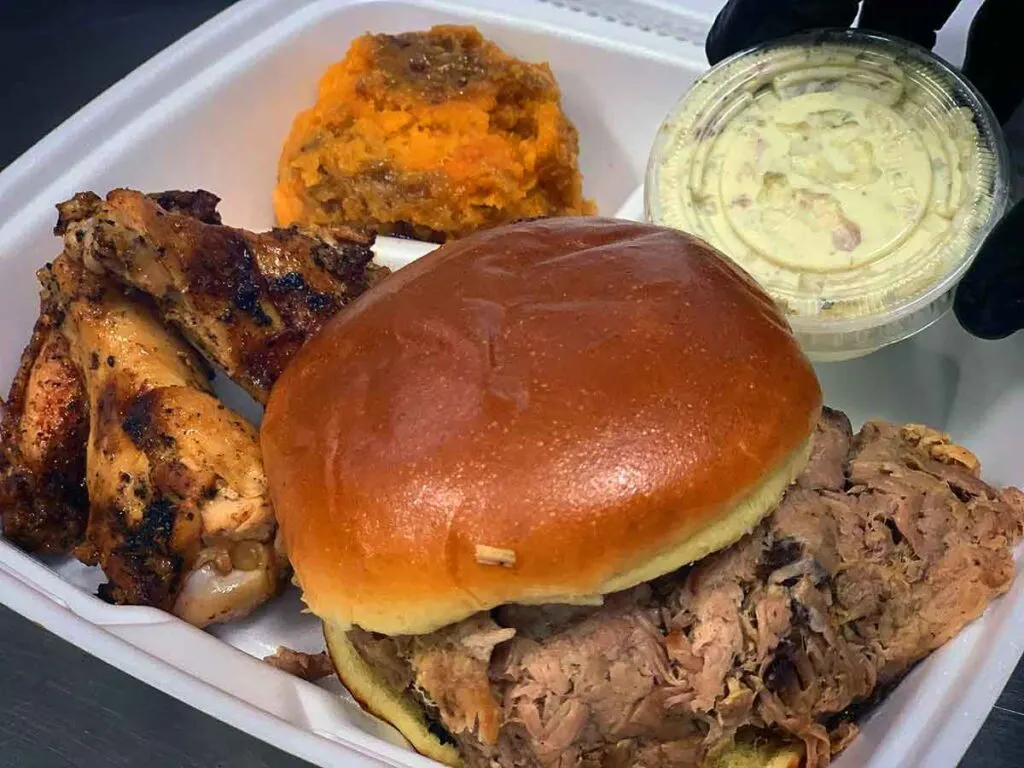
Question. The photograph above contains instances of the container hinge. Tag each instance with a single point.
(659, 17)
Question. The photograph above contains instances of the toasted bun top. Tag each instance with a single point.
(538, 413)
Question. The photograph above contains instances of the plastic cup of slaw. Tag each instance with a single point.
(853, 175)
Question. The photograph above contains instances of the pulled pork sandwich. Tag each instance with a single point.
(564, 494)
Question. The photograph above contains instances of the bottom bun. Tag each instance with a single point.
(401, 710)
(397, 708)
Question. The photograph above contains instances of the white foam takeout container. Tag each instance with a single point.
(212, 110)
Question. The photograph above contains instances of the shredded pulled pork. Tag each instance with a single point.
(308, 666)
(451, 668)
(884, 548)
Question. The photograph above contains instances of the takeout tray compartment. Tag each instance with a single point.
(212, 112)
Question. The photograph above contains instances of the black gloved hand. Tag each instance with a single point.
(989, 301)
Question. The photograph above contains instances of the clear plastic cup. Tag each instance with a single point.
(853, 175)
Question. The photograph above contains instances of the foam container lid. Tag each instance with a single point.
(212, 111)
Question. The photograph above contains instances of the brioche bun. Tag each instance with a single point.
(543, 412)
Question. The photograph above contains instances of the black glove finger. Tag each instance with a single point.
(995, 56)
(910, 19)
(989, 302)
(743, 23)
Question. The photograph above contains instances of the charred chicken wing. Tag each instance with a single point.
(247, 300)
(43, 500)
(179, 516)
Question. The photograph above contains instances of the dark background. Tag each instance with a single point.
(60, 707)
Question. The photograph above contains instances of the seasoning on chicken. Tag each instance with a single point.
(431, 135)
(179, 516)
(886, 546)
(247, 300)
(43, 501)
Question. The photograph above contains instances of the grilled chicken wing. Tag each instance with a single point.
(43, 499)
(179, 514)
(247, 300)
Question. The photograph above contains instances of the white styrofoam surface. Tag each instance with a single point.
(212, 112)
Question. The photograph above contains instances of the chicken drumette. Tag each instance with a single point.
(179, 516)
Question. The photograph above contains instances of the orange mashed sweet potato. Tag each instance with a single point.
(430, 135)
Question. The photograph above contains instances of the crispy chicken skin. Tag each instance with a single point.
(43, 500)
(247, 300)
(179, 515)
